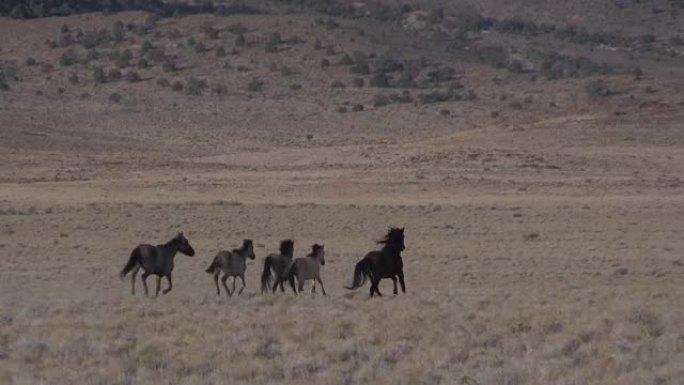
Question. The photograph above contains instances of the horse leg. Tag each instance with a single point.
(301, 285)
(292, 284)
(394, 281)
(234, 278)
(242, 278)
(158, 285)
(218, 291)
(168, 289)
(144, 281)
(321, 282)
(313, 287)
(134, 274)
(223, 281)
(401, 281)
(282, 287)
(374, 287)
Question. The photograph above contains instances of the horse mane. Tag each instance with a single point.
(314, 249)
(286, 247)
(391, 235)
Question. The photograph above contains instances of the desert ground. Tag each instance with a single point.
(544, 242)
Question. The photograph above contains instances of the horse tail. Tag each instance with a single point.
(266, 276)
(361, 271)
(133, 260)
(214, 265)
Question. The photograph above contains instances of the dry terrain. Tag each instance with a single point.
(543, 215)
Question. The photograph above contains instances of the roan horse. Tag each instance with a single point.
(385, 263)
(156, 260)
(278, 263)
(305, 268)
(233, 264)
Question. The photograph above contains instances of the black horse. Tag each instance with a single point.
(385, 263)
(156, 260)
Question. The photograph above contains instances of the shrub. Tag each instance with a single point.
(381, 100)
(331, 24)
(358, 82)
(177, 86)
(200, 47)
(142, 63)
(118, 31)
(219, 89)
(169, 66)
(237, 29)
(317, 45)
(360, 68)
(64, 28)
(30, 62)
(115, 98)
(132, 76)
(346, 60)
(325, 63)
(220, 51)
(295, 86)
(597, 88)
(73, 78)
(99, 75)
(357, 107)
(113, 75)
(163, 82)
(271, 48)
(240, 40)
(195, 86)
(146, 47)
(337, 84)
(255, 85)
(379, 80)
(68, 58)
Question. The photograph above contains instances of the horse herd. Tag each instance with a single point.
(278, 267)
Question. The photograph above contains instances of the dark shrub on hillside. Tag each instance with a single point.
(115, 98)
(381, 100)
(163, 82)
(68, 58)
(132, 76)
(113, 75)
(195, 86)
(597, 88)
(177, 86)
(360, 68)
(379, 80)
(99, 75)
(255, 85)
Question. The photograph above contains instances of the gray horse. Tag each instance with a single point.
(304, 269)
(278, 263)
(156, 260)
(233, 264)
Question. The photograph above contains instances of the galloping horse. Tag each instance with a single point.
(156, 260)
(383, 263)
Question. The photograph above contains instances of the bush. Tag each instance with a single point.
(295, 86)
(200, 47)
(177, 86)
(381, 100)
(357, 107)
(358, 82)
(163, 82)
(132, 76)
(99, 75)
(317, 45)
(142, 64)
(73, 78)
(255, 85)
(113, 75)
(220, 51)
(169, 66)
(379, 80)
(337, 84)
(346, 60)
(331, 24)
(195, 87)
(240, 40)
(30, 62)
(115, 98)
(237, 29)
(360, 68)
(597, 88)
(68, 58)
(219, 89)
(325, 63)
(146, 47)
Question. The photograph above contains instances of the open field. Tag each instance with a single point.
(543, 222)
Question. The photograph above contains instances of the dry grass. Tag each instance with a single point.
(543, 243)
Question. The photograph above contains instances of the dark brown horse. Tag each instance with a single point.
(156, 260)
(384, 263)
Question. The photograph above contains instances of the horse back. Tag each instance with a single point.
(152, 260)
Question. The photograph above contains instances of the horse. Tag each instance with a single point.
(383, 263)
(233, 264)
(156, 260)
(277, 264)
(305, 268)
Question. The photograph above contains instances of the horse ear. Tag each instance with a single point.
(402, 229)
